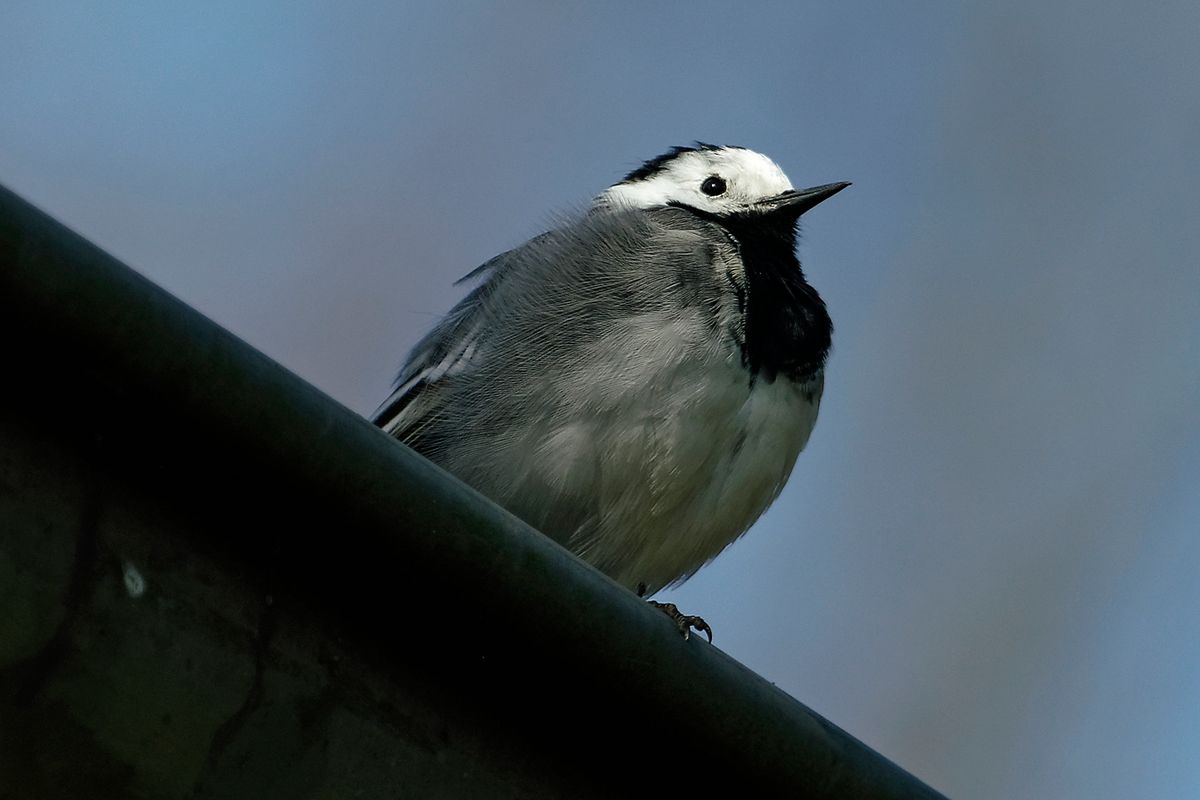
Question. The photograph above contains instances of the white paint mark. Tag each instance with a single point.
(135, 584)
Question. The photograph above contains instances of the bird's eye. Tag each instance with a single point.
(713, 186)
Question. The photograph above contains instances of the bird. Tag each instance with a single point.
(638, 381)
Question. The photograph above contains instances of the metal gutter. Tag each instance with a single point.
(331, 537)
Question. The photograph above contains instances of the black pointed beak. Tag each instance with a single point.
(795, 202)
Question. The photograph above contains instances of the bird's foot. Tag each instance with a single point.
(686, 622)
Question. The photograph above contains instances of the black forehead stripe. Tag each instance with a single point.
(656, 164)
(659, 162)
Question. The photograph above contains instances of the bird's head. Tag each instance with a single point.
(717, 181)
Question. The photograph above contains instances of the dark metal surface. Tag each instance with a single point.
(219, 582)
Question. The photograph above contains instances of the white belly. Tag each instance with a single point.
(689, 478)
(656, 486)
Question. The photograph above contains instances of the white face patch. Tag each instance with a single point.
(744, 178)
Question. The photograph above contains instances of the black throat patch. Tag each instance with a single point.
(788, 330)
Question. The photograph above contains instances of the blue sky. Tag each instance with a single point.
(985, 563)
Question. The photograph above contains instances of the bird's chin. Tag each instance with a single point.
(767, 224)
(781, 216)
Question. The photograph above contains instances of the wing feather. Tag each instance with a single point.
(558, 291)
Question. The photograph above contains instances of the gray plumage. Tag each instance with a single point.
(597, 383)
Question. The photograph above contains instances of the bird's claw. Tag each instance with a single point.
(686, 622)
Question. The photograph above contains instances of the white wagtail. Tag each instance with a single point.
(637, 382)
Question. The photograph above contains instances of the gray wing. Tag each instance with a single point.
(449, 347)
(446, 349)
(497, 352)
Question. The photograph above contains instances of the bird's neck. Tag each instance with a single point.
(788, 331)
